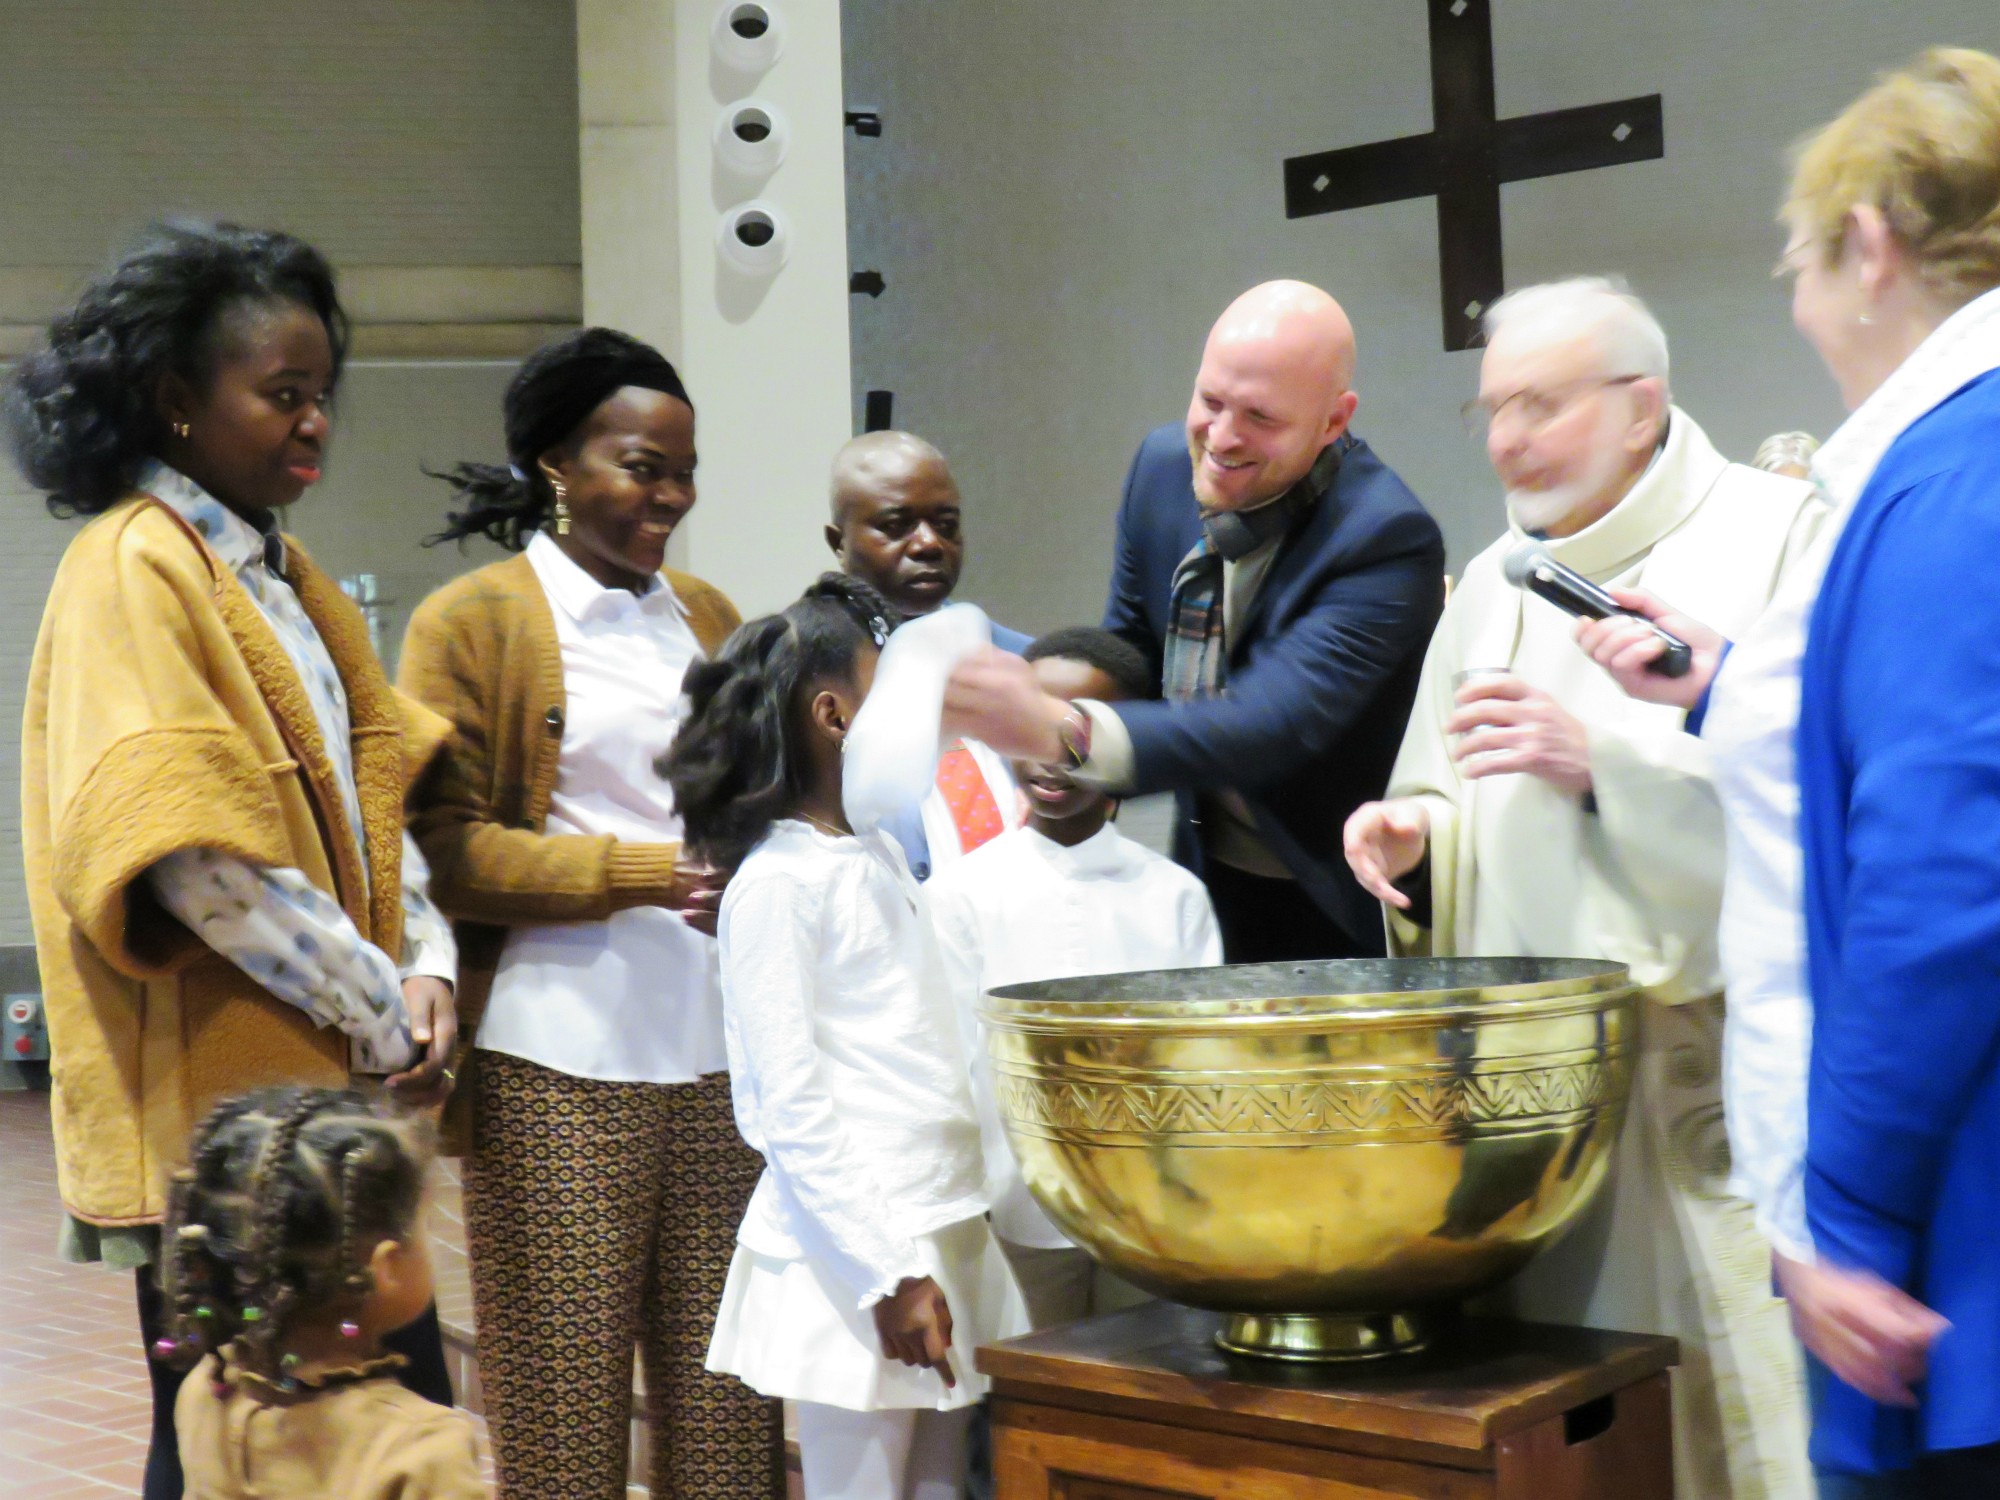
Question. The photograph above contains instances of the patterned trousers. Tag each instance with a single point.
(601, 1217)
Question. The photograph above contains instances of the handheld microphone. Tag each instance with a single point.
(1529, 566)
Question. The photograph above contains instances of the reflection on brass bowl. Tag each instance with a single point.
(1330, 1152)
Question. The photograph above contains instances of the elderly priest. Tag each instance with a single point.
(1534, 809)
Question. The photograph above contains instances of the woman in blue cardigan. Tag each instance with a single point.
(1875, 1163)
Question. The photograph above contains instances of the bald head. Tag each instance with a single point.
(1275, 387)
(1293, 326)
(875, 462)
(896, 519)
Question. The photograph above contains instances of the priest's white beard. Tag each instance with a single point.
(1540, 512)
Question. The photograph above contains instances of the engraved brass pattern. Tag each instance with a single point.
(1422, 1104)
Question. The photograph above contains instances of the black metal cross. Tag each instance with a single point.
(1466, 156)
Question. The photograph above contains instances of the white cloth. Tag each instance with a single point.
(1518, 867)
(882, 1455)
(633, 998)
(786, 1329)
(1025, 908)
(273, 923)
(844, 1060)
(891, 751)
(1752, 721)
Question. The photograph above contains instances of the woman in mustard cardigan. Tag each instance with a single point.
(605, 1178)
(213, 764)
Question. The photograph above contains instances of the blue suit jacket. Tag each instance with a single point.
(1899, 819)
(907, 827)
(1321, 675)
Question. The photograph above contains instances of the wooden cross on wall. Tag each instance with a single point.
(1466, 156)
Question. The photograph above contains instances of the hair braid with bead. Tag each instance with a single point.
(286, 1194)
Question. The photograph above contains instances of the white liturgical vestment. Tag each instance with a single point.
(1633, 875)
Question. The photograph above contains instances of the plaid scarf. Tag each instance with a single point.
(1197, 649)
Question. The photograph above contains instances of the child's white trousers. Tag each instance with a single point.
(909, 1453)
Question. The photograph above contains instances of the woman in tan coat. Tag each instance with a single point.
(605, 1178)
(213, 765)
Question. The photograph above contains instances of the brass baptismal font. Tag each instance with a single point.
(1332, 1154)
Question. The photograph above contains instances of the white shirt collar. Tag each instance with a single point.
(1102, 852)
(1962, 348)
(582, 597)
(239, 544)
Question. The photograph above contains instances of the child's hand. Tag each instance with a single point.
(914, 1324)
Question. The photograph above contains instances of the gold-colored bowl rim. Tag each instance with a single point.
(1285, 997)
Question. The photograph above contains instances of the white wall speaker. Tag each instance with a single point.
(748, 35)
(754, 237)
(750, 136)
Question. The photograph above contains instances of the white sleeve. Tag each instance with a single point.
(956, 929)
(294, 940)
(770, 963)
(1201, 938)
(1766, 1056)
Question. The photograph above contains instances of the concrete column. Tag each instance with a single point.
(630, 168)
(764, 350)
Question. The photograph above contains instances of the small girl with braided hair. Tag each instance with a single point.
(864, 1273)
(294, 1244)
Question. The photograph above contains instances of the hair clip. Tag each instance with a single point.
(163, 1349)
(253, 1314)
(518, 472)
(349, 1329)
(879, 629)
(204, 1312)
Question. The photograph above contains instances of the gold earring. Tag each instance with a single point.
(562, 507)
(182, 429)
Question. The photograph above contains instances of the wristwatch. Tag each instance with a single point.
(1074, 733)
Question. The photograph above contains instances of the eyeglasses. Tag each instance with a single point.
(1535, 410)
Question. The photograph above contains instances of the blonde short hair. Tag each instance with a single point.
(1923, 147)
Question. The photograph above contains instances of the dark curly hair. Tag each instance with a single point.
(286, 1194)
(550, 396)
(736, 765)
(80, 414)
(1113, 655)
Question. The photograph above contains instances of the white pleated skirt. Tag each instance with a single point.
(785, 1331)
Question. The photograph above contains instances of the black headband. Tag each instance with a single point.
(586, 383)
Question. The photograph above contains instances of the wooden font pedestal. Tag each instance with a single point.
(1141, 1405)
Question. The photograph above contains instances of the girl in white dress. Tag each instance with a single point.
(865, 1274)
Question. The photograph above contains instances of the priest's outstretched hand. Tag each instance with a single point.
(1624, 647)
(1506, 728)
(1384, 841)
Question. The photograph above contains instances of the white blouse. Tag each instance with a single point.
(844, 1059)
(633, 998)
(1024, 907)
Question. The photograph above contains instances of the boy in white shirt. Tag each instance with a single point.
(1061, 896)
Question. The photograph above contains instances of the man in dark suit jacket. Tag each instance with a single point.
(1285, 583)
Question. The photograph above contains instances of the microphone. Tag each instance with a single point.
(1529, 566)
